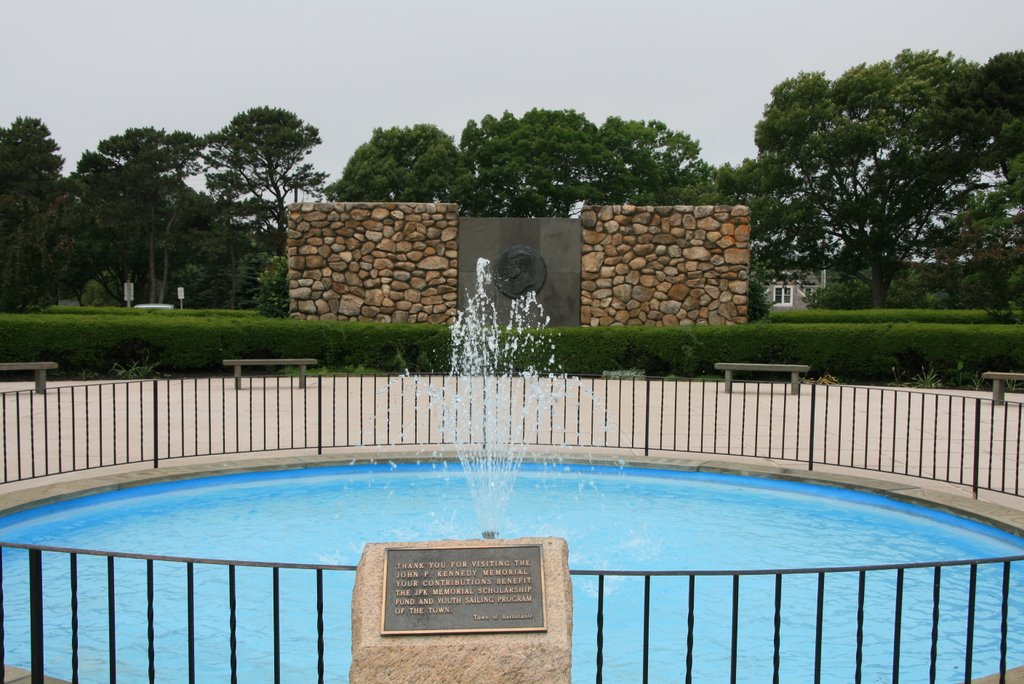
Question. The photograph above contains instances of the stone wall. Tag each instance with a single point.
(399, 262)
(391, 262)
(678, 265)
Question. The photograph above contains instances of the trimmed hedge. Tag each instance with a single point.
(960, 316)
(875, 352)
(185, 344)
(190, 344)
(125, 311)
(847, 351)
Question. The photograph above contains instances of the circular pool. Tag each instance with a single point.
(613, 519)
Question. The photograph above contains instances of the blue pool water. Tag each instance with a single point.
(612, 518)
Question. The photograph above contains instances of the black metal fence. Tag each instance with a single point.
(962, 439)
(93, 617)
(77, 625)
(949, 437)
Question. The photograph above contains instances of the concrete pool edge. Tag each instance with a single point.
(929, 494)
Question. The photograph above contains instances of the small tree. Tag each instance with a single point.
(758, 306)
(272, 298)
(247, 277)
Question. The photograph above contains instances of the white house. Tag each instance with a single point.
(791, 294)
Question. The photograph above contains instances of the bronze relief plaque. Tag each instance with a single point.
(455, 590)
(518, 270)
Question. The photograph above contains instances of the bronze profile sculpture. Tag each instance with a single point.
(518, 270)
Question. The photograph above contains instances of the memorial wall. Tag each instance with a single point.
(615, 265)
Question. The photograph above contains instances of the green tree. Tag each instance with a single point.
(258, 158)
(861, 173)
(208, 253)
(758, 305)
(416, 164)
(134, 194)
(551, 162)
(998, 92)
(984, 265)
(32, 210)
(543, 164)
(644, 162)
(232, 238)
(842, 292)
(247, 278)
(30, 163)
(923, 285)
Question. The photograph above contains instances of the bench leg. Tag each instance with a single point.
(238, 377)
(41, 381)
(302, 377)
(728, 382)
(794, 382)
(998, 392)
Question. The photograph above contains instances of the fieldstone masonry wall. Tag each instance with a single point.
(390, 262)
(678, 265)
(398, 262)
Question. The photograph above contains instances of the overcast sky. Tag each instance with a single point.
(92, 69)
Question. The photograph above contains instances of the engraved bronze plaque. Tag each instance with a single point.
(455, 590)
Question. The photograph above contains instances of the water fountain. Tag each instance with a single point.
(500, 396)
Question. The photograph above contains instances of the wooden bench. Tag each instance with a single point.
(999, 384)
(39, 367)
(301, 363)
(793, 369)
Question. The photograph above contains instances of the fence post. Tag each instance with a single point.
(35, 591)
(977, 444)
(810, 440)
(156, 424)
(320, 415)
(647, 418)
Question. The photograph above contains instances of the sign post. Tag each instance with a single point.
(129, 293)
(181, 298)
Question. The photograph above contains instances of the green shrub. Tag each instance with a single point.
(188, 344)
(758, 306)
(868, 352)
(181, 343)
(850, 352)
(272, 297)
(591, 351)
(841, 294)
(125, 311)
(960, 316)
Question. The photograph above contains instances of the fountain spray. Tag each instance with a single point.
(498, 399)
